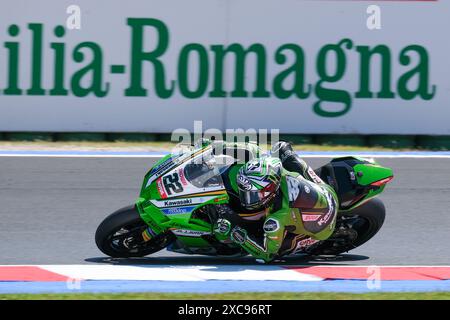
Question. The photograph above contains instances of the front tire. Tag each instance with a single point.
(119, 235)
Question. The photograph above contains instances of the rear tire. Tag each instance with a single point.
(119, 235)
(366, 220)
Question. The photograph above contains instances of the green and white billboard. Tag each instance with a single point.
(154, 66)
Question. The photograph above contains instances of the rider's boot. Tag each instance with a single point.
(290, 160)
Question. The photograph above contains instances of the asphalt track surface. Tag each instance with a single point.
(50, 208)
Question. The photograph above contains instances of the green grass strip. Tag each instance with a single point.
(233, 296)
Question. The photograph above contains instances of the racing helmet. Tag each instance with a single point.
(258, 182)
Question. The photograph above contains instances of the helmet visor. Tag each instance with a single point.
(250, 199)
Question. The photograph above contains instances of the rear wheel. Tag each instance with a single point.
(120, 235)
(353, 229)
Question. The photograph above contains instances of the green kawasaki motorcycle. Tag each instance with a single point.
(179, 194)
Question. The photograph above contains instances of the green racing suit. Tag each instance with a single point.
(304, 208)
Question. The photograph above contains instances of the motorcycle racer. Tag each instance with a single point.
(185, 194)
(297, 204)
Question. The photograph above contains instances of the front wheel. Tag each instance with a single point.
(120, 235)
(353, 229)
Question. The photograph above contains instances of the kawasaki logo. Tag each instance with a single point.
(331, 64)
(180, 202)
(171, 203)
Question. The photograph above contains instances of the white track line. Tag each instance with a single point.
(197, 273)
(157, 156)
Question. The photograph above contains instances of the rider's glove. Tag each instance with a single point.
(222, 227)
(238, 235)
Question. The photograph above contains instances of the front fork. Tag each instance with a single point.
(153, 228)
(148, 234)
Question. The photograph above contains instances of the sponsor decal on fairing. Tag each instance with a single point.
(161, 190)
(180, 202)
(189, 233)
(178, 210)
(182, 177)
